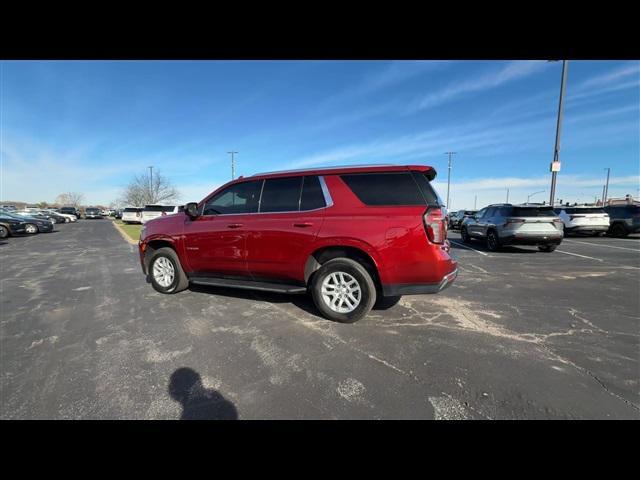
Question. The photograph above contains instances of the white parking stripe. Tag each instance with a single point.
(602, 245)
(465, 246)
(576, 255)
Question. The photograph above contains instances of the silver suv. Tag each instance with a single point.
(506, 224)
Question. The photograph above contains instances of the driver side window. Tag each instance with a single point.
(236, 199)
(481, 213)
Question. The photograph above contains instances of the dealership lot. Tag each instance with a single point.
(521, 334)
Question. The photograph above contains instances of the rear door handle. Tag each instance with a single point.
(303, 224)
(234, 225)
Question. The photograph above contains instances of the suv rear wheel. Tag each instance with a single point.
(165, 271)
(618, 230)
(343, 290)
(493, 244)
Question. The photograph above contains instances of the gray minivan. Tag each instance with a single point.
(507, 224)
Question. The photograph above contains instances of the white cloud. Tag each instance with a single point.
(512, 71)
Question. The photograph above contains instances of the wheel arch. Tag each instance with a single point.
(328, 252)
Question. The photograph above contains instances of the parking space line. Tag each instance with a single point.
(578, 255)
(602, 245)
(464, 246)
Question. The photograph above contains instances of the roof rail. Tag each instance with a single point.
(327, 168)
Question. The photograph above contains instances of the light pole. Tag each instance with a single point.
(475, 202)
(449, 176)
(555, 165)
(233, 165)
(606, 187)
(507, 196)
(534, 193)
(151, 199)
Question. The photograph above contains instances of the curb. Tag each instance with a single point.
(124, 235)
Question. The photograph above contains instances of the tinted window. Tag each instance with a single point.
(238, 198)
(429, 193)
(385, 188)
(132, 209)
(312, 196)
(92, 210)
(481, 213)
(281, 195)
(491, 212)
(154, 208)
(533, 212)
(505, 211)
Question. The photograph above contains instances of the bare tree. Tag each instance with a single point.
(143, 191)
(73, 199)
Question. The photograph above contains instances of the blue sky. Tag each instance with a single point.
(90, 126)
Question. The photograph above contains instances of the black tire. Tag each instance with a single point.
(384, 303)
(360, 274)
(547, 248)
(493, 242)
(619, 230)
(180, 280)
(4, 232)
(466, 238)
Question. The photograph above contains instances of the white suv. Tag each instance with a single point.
(149, 212)
(132, 215)
(583, 219)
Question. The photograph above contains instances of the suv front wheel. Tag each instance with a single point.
(343, 290)
(466, 238)
(165, 271)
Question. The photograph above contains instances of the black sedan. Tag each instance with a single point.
(11, 226)
(32, 225)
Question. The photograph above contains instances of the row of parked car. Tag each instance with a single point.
(33, 220)
(543, 225)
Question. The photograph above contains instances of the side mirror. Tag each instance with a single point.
(191, 209)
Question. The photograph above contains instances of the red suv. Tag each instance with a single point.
(347, 235)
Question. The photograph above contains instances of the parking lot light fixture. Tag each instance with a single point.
(534, 193)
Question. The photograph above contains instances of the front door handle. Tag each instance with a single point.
(303, 224)
(234, 225)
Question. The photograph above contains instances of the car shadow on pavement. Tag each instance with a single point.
(198, 402)
(481, 247)
(302, 301)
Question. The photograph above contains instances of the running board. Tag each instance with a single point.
(249, 285)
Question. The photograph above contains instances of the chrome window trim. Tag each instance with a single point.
(325, 192)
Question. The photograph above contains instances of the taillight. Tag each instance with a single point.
(435, 225)
(514, 220)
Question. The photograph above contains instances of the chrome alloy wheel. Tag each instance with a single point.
(163, 272)
(341, 292)
(31, 228)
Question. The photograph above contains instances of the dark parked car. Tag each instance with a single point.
(506, 224)
(10, 225)
(92, 212)
(70, 211)
(624, 219)
(32, 225)
(347, 235)
(460, 216)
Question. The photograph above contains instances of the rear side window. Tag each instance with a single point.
(281, 195)
(238, 198)
(168, 208)
(533, 212)
(132, 209)
(393, 188)
(154, 208)
(312, 196)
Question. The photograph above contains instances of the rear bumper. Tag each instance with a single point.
(587, 228)
(390, 290)
(531, 240)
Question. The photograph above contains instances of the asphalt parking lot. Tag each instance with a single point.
(521, 335)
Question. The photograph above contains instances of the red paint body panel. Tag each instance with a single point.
(277, 245)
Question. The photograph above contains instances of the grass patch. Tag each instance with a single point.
(132, 230)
